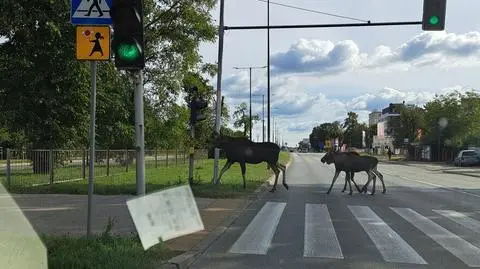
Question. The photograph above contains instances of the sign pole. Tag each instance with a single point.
(191, 154)
(93, 101)
(140, 134)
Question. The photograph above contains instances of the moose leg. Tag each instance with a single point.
(277, 172)
(225, 168)
(380, 176)
(371, 174)
(365, 187)
(350, 184)
(243, 168)
(356, 186)
(284, 169)
(333, 181)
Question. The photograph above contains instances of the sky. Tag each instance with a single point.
(318, 75)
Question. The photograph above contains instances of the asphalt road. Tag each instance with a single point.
(426, 219)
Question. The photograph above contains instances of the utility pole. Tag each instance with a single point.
(263, 115)
(268, 69)
(221, 32)
(250, 75)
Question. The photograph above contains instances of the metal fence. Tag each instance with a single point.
(49, 166)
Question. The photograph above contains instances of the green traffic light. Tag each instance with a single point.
(433, 20)
(128, 52)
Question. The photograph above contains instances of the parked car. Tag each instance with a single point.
(467, 157)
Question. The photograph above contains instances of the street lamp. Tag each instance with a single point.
(250, 69)
(263, 115)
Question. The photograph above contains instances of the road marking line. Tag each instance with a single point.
(462, 249)
(257, 237)
(320, 239)
(461, 219)
(391, 245)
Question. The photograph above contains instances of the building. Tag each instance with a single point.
(385, 134)
(374, 117)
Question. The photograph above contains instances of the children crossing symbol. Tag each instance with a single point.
(93, 43)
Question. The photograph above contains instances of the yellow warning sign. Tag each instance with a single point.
(92, 43)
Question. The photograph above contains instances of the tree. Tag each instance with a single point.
(325, 131)
(242, 119)
(173, 32)
(44, 90)
(370, 133)
(115, 115)
(452, 120)
(405, 126)
(350, 125)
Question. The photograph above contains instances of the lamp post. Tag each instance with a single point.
(250, 74)
(263, 115)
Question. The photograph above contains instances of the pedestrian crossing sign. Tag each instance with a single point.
(87, 12)
(92, 43)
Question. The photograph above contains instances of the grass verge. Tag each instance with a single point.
(103, 251)
(159, 178)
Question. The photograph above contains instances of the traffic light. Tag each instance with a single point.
(196, 104)
(434, 15)
(127, 44)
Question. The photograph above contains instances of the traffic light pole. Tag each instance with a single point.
(139, 134)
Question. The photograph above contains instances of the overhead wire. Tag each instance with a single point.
(313, 11)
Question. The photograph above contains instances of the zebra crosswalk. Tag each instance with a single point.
(320, 238)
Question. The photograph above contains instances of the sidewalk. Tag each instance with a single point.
(58, 214)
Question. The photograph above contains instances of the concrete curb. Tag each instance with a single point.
(184, 260)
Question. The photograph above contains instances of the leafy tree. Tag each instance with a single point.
(242, 118)
(44, 90)
(115, 115)
(406, 125)
(350, 126)
(452, 118)
(174, 30)
(370, 133)
(326, 131)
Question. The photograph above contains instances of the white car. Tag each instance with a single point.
(467, 157)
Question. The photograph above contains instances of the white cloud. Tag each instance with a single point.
(296, 111)
(302, 97)
(439, 49)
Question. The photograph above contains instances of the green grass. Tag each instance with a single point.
(103, 251)
(162, 177)
(23, 175)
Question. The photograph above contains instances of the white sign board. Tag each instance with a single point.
(20, 246)
(165, 214)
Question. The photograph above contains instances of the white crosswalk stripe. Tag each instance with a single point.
(461, 219)
(320, 238)
(258, 235)
(462, 249)
(391, 245)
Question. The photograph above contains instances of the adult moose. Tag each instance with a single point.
(348, 174)
(354, 163)
(243, 150)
